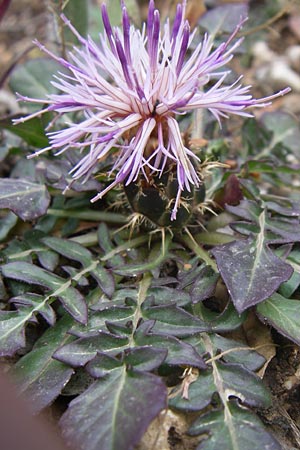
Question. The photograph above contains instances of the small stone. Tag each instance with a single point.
(8, 103)
(293, 56)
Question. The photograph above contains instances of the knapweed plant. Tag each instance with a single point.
(159, 219)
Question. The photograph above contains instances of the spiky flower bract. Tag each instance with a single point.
(131, 87)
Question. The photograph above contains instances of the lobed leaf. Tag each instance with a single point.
(179, 352)
(173, 320)
(229, 380)
(250, 270)
(283, 314)
(40, 377)
(97, 320)
(72, 300)
(83, 350)
(234, 428)
(12, 335)
(26, 199)
(105, 416)
(230, 350)
(77, 252)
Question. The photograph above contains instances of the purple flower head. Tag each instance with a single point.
(130, 89)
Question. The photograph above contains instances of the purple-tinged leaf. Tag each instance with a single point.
(102, 365)
(104, 279)
(227, 320)
(234, 351)
(166, 295)
(179, 352)
(77, 252)
(232, 379)
(37, 301)
(72, 300)
(83, 350)
(69, 249)
(284, 206)
(145, 358)
(204, 285)
(234, 427)
(26, 199)
(174, 321)
(39, 376)
(12, 335)
(115, 411)
(250, 270)
(74, 303)
(247, 209)
(289, 230)
(97, 320)
(283, 314)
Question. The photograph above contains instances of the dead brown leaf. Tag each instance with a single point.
(259, 338)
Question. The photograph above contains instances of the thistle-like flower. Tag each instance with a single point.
(131, 87)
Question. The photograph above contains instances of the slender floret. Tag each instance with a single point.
(131, 87)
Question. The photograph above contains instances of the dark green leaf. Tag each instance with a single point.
(72, 299)
(37, 302)
(234, 428)
(6, 224)
(48, 259)
(105, 280)
(26, 199)
(77, 252)
(115, 411)
(69, 249)
(77, 12)
(166, 295)
(174, 321)
(227, 320)
(97, 320)
(283, 314)
(12, 336)
(32, 131)
(33, 78)
(40, 377)
(83, 350)
(199, 394)
(179, 352)
(102, 365)
(229, 380)
(145, 358)
(285, 129)
(205, 285)
(234, 351)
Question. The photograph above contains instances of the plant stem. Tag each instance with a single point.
(87, 214)
(213, 238)
(190, 242)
